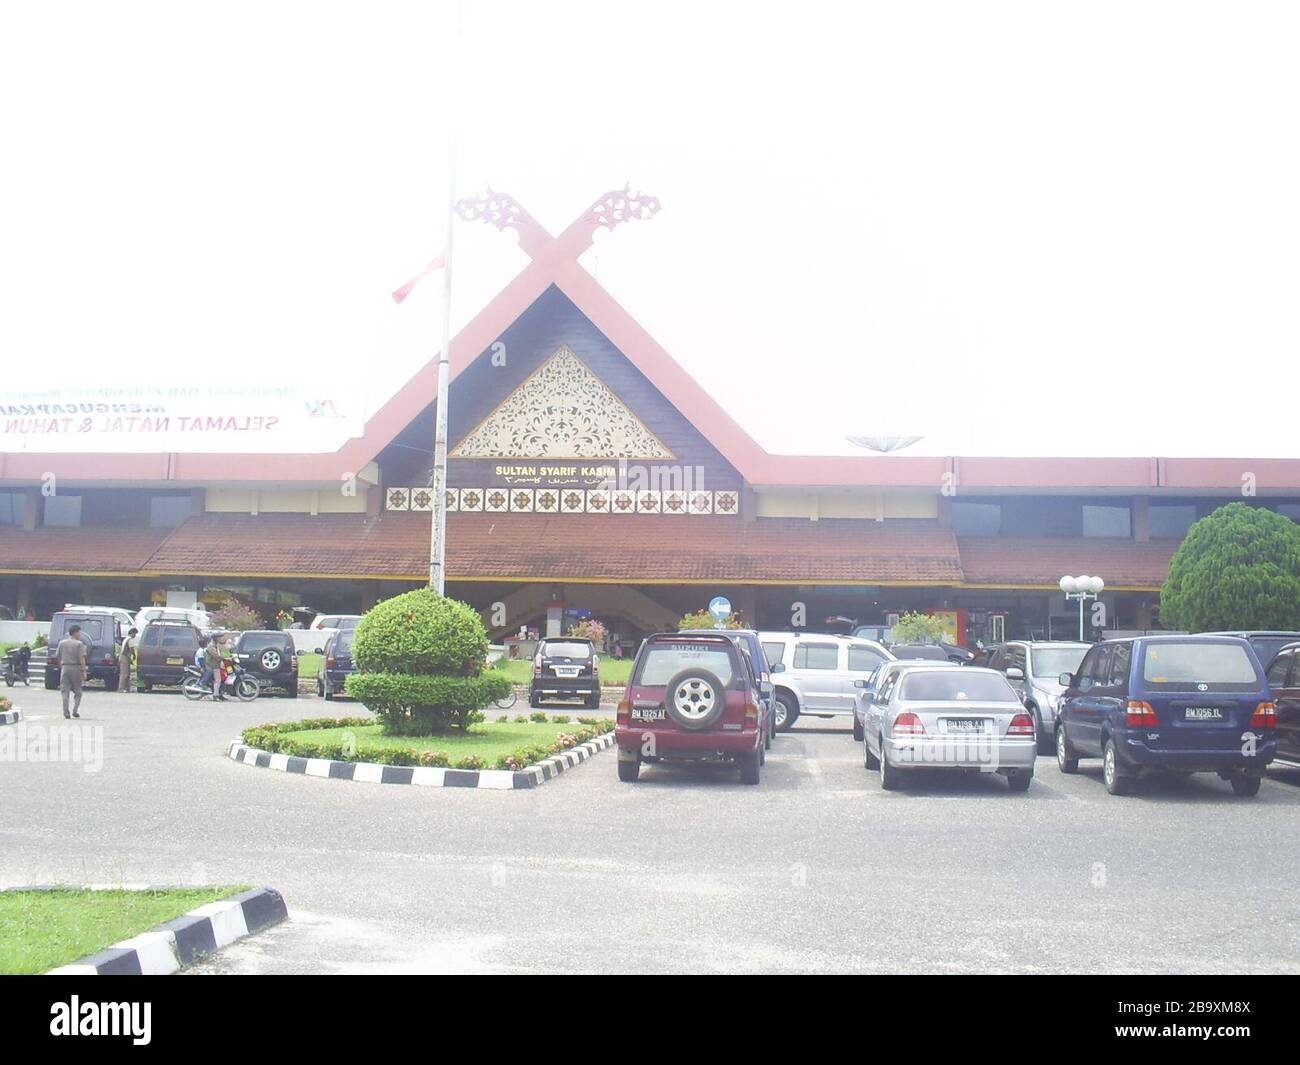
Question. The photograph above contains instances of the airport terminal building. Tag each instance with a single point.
(589, 472)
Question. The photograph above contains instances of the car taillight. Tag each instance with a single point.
(751, 715)
(1265, 716)
(330, 663)
(1021, 725)
(537, 666)
(908, 725)
(624, 715)
(1141, 715)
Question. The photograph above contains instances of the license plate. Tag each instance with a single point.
(1203, 713)
(176, 661)
(964, 724)
(648, 713)
(567, 671)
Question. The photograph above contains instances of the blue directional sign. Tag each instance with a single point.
(720, 608)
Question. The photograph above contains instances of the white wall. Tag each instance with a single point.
(23, 631)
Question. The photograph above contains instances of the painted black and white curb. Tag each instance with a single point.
(10, 717)
(427, 776)
(190, 938)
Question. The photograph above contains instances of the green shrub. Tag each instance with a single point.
(1237, 568)
(918, 628)
(413, 705)
(559, 719)
(421, 633)
(521, 719)
(538, 716)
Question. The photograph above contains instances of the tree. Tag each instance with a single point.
(702, 619)
(1238, 568)
(918, 628)
(234, 616)
(420, 659)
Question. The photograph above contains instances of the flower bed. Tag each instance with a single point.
(506, 743)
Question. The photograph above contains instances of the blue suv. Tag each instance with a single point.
(1183, 704)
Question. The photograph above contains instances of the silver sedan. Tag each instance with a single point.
(932, 717)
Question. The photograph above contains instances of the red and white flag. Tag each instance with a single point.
(402, 292)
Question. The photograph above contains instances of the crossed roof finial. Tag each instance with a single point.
(502, 210)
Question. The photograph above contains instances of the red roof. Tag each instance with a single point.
(89, 550)
(1008, 560)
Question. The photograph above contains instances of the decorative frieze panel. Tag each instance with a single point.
(562, 411)
(499, 500)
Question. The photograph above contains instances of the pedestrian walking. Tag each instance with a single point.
(71, 655)
(125, 660)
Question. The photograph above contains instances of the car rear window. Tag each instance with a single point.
(343, 645)
(92, 629)
(566, 649)
(252, 642)
(178, 636)
(1219, 666)
(663, 661)
(957, 685)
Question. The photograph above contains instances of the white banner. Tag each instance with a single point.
(181, 418)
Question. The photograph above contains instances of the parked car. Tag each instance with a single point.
(269, 655)
(123, 617)
(200, 619)
(1034, 669)
(565, 667)
(336, 621)
(866, 689)
(1185, 704)
(763, 670)
(926, 652)
(937, 717)
(1265, 642)
(690, 698)
(165, 648)
(1283, 676)
(336, 665)
(818, 674)
(98, 633)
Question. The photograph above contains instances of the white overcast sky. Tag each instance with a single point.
(1017, 228)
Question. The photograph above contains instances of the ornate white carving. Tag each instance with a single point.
(562, 411)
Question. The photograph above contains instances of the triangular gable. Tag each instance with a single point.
(562, 410)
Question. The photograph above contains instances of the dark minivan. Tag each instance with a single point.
(1183, 704)
(1284, 683)
(337, 665)
(565, 667)
(165, 649)
(98, 633)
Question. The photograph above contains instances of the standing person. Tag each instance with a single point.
(125, 659)
(201, 660)
(71, 654)
(214, 658)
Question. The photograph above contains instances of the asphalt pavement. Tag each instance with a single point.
(814, 870)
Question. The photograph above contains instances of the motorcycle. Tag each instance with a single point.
(17, 665)
(237, 685)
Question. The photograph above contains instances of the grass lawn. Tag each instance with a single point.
(309, 666)
(613, 671)
(489, 740)
(43, 929)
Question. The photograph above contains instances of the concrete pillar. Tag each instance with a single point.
(32, 509)
(374, 501)
(945, 511)
(1141, 521)
(198, 502)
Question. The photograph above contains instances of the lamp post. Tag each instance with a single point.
(1082, 589)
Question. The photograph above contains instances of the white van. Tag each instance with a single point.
(200, 619)
(819, 672)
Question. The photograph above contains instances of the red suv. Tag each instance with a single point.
(691, 697)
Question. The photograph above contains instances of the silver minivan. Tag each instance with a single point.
(819, 673)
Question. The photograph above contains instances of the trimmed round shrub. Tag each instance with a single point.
(1237, 568)
(422, 633)
(409, 704)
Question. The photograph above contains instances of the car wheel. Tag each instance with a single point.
(271, 660)
(1246, 785)
(890, 778)
(695, 699)
(628, 771)
(857, 728)
(291, 692)
(110, 683)
(593, 703)
(762, 754)
(145, 686)
(1066, 760)
(1116, 781)
(51, 685)
(869, 760)
(1020, 779)
(328, 696)
(787, 712)
(749, 767)
(1046, 739)
(534, 703)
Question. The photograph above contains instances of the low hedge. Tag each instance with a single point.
(271, 737)
(410, 704)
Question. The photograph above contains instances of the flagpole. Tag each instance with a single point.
(438, 544)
